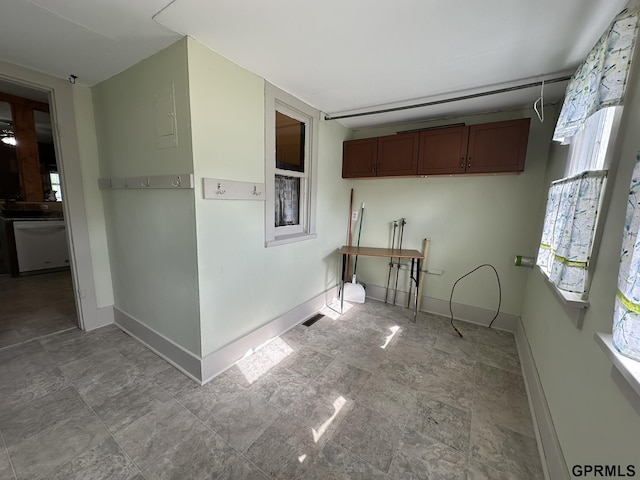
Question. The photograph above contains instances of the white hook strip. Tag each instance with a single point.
(180, 181)
(221, 189)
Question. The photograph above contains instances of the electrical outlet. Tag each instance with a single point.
(354, 215)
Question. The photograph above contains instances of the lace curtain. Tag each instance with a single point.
(287, 197)
(569, 223)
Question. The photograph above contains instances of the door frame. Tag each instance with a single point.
(62, 113)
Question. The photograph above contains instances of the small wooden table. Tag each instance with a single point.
(414, 255)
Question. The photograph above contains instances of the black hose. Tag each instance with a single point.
(465, 275)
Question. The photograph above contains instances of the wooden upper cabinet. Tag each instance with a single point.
(398, 154)
(443, 151)
(498, 147)
(359, 158)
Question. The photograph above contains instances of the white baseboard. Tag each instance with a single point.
(105, 316)
(217, 362)
(176, 355)
(553, 462)
(466, 313)
(204, 369)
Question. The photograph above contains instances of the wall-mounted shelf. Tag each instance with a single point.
(179, 181)
(219, 189)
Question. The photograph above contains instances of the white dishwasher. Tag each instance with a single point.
(41, 244)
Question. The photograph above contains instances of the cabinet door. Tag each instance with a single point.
(359, 158)
(498, 146)
(398, 154)
(443, 151)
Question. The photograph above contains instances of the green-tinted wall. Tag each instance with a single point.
(242, 284)
(151, 233)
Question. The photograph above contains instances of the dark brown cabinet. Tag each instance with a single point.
(388, 156)
(498, 147)
(398, 155)
(359, 158)
(443, 151)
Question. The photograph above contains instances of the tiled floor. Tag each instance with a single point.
(35, 305)
(321, 402)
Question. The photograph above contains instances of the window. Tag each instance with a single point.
(291, 139)
(56, 188)
(588, 149)
(570, 232)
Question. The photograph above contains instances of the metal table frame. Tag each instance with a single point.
(415, 256)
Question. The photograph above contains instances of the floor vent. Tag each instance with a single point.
(313, 320)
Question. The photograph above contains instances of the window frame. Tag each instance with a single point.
(609, 163)
(279, 100)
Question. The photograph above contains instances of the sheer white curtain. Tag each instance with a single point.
(626, 316)
(568, 231)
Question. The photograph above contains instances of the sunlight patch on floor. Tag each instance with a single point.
(263, 359)
(337, 406)
(395, 329)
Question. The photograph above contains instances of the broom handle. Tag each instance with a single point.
(355, 266)
(349, 238)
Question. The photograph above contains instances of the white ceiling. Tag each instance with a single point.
(341, 56)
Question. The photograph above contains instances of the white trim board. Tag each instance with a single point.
(217, 362)
(551, 456)
(628, 368)
(465, 313)
(63, 119)
(176, 355)
(105, 317)
(204, 369)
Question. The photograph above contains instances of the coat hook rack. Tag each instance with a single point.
(220, 189)
(148, 182)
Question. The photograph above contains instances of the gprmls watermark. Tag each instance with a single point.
(611, 471)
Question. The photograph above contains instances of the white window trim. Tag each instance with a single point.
(628, 368)
(276, 99)
(573, 300)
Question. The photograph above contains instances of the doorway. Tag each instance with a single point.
(36, 293)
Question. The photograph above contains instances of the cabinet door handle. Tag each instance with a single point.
(469, 164)
(462, 162)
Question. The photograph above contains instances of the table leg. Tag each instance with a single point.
(413, 261)
(417, 280)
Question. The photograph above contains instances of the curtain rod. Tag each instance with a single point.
(448, 100)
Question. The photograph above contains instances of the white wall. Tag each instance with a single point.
(88, 150)
(596, 415)
(151, 233)
(242, 284)
(471, 220)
